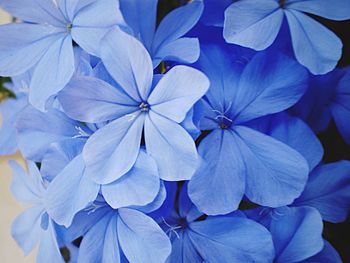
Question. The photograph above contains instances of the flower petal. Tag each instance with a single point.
(177, 92)
(171, 146)
(334, 10)
(34, 11)
(182, 50)
(315, 46)
(26, 229)
(112, 150)
(141, 239)
(95, 239)
(52, 73)
(252, 23)
(37, 131)
(49, 249)
(270, 83)
(177, 23)
(275, 173)
(70, 192)
(92, 100)
(23, 45)
(26, 188)
(231, 239)
(297, 234)
(221, 176)
(141, 17)
(129, 63)
(139, 186)
(328, 190)
(289, 130)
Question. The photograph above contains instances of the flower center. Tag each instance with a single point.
(282, 3)
(144, 106)
(69, 27)
(223, 121)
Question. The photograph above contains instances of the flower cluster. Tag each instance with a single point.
(185, 138)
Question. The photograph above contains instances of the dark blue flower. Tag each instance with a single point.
(237, 159)
(166, 42)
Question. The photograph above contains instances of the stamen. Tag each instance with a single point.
(81, 133)
(172, 229)
(144, 106)
(69, 27)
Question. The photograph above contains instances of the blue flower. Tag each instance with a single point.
(167, 41)
(232, 238)
(10, 109)
(133, 105)
(123, 235)
(44, 41)
(296, 231)
(237, 159)
(327, 98)
(73, 190)
(255, 24)
(34, 226)
(288, 129)
(328, 190)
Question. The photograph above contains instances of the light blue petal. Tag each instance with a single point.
(26, 229)
(231, 239)
(252, 23)
(112, 150)
(129, 63)
(92, 245)
(327, 255)
(26, 188)
(70, 192)
(141, 239)
(156, 203)
(328, 190)
(221, 176)
(10, 110)
(177, 23)
(270, 83)
(53, 72)
(141, 17)
(111, 250)
(82, 101)
(171, 146)
(182, 50)
(139, 186)
(23, 45)
(34, 11)
(315, 46)
(49, 250)
(88, 28)
(275, 173)
(334, 10)
(68, 8)
(297, 233)
(59, 155)
(177, 92)
(183, 250)
(290, 130)
(37, 131)
(85, 220)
